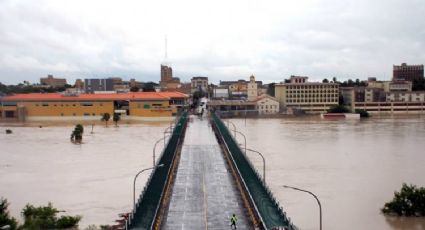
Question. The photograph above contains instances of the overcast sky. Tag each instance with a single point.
(220, 39)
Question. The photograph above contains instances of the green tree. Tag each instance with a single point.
(5, 219)
(362, 112)
(410, 201)
(134, 89)
(338, 109)
(116, 118)
(325, 80)
(105, 118)
(44, 217)
(77, 134)
(270, 89)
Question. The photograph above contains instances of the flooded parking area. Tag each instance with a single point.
(94, 179)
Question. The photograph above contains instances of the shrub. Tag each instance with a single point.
(45, 218)
(410, 201)
(338, 109)
(5, 219)
(362, 112)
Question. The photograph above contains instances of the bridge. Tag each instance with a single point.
(205, 178)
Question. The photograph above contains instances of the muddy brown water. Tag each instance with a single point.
(353, 166)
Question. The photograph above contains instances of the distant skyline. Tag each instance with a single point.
(222, 40)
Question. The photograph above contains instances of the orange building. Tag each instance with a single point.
(56, 106)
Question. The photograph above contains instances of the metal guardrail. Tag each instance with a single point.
(146, 208)
(269, 211)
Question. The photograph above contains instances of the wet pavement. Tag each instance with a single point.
(204, 194)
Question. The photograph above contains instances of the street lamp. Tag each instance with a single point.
(234, 126)
(264, 163)
(134, 182)
(243, 137)
(154, 147)
(317, 199)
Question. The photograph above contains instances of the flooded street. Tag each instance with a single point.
(352, 166)
(95, 179)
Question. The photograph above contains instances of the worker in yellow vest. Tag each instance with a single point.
(233, 220)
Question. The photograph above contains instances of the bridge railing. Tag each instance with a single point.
(269, 210)
(146, 208)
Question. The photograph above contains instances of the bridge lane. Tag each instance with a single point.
(204, 194)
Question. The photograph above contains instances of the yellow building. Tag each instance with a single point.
(56, 106)
(310, 97)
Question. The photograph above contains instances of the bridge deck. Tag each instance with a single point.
(204, 194)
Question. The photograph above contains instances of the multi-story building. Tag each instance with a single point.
(199, 83)
(56, 106)
(53, 82)
(92, 85)
(311, 97)
(406, 72)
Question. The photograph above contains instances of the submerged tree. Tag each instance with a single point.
(410, 201)
(116, 118)
(77, 134)
(45, 217)
(5, 219)
(105, 118)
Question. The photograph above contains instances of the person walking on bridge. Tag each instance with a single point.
(233, 220)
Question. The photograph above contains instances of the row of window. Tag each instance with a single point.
(312, 91)
(67, 105)
(312, 95)
(266, 107)
(310, 100)
(312, 87)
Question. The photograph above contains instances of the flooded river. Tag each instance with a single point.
(353, 166)
(94, 179)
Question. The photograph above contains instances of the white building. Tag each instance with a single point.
(267, 104)
(311, 97)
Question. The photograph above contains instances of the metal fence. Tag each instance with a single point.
(268, 208)
(148, 203)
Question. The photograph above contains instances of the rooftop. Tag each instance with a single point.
(86, 97)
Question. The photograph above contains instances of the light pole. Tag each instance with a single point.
(264, 163)
(154, 147)
(243, 137)
(317, 199)
(234, 126)
(134, 182)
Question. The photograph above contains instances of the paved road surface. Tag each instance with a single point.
(204, 194)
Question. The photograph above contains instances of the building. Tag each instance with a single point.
(93, 84)
(56, 106)
(252, 89)
(167, 80)
(267, 104)
(53, 82)
(311, 97)
(238, 89)
(406, 72)
(199, 83)
(79, 84)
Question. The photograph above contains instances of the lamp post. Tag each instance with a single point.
(134, 182)
(242, 136)
(154, 147)
(264, 163)
(317, 199)
(234, 126)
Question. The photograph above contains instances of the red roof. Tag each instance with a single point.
(87, 97)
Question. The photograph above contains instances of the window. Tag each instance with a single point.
(61, 114)
(93, 114)
(45, 104)
(156, 104)
(86, 104)
(86, 114)
(146, 106)
(73, 114)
